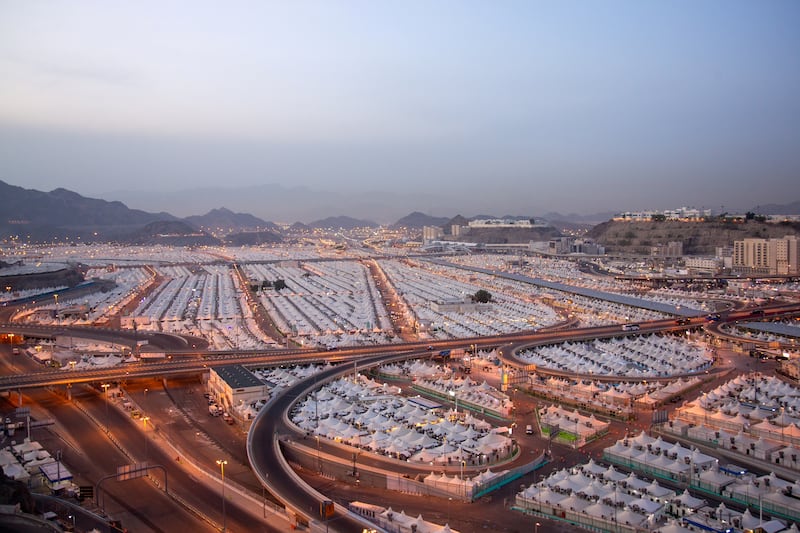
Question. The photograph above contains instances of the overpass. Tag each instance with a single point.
(189, 361)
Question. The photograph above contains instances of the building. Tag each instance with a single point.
(703, 265)
(671, 249)
(502, 223)
(234, 385)
(572, 245)
(767, 256)
(725, 255)
(432, 233)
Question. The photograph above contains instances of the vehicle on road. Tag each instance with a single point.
(630, 327)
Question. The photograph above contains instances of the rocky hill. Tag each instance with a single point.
(223, 221)
(698, 238)
(419, 220)
(63, 214)
(173, 233)
(342, 222)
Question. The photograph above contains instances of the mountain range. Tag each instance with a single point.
(62, 215)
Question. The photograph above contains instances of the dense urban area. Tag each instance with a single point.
(404, 380)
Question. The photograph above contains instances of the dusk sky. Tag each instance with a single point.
(446, 107)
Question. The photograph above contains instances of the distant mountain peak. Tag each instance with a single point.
(343, 222)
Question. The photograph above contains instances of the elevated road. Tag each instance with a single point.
(187, 362)
(266, 457)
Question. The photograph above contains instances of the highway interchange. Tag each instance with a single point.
(96, 423)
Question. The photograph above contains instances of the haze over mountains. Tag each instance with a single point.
(62, 214)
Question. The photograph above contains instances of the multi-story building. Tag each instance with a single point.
(572, 245)
(671, 249)
(431, 233)
(767, 256)
(703, 265)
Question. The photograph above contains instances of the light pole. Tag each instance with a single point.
(105, 387)
(455, 398)
(144, 424)
(536, 527)
(319, 461)
(463, 481)
(222, 463)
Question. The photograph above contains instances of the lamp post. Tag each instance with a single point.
(319, 461)
(463, 481)
(222, 463)
(144, 424)
(105, 387)
(536, 527)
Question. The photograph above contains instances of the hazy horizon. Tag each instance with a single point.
(383, 109)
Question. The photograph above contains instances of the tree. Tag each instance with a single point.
(482, 296)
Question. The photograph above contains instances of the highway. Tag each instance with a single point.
(194, 361)
(266, 458)
(263, 440)
(183, 363)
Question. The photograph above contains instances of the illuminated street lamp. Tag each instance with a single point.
(453, 395)
(144, 423)
(222, 463)
(105, 387)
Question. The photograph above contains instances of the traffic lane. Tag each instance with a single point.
(181, 412)
(192, 487)
(264, 454)
(92, 456)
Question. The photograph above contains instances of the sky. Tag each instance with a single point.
(444, 107)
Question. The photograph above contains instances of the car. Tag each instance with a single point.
(683, 321)
(529, 429)
(430, 348)
(713, 317)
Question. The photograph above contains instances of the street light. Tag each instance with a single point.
(319, 461)
(144, 423)
(105, 387)
(222, 463)
(536, 527)
(455, 397)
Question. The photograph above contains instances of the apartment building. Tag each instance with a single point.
(767, 256)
